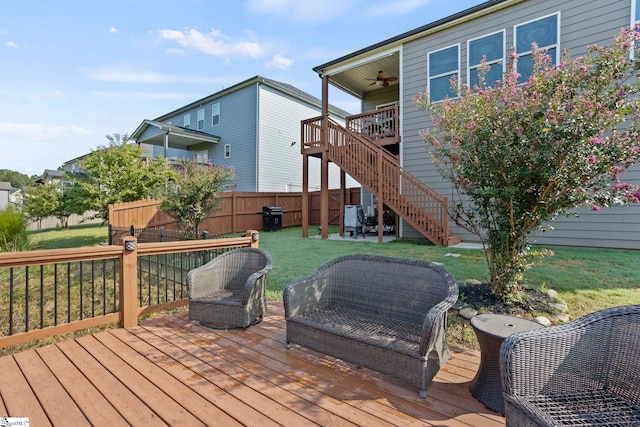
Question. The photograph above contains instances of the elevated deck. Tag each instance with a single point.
(169, 371)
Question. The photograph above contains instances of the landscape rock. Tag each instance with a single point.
(468, 312)
(472, 282)
(543, 320)
(561, 318)
(552, 294)
(453, 255)
(559, 306)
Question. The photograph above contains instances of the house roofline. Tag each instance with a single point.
(282, 87)
(472, 12)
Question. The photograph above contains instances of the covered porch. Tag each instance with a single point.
(169, 371)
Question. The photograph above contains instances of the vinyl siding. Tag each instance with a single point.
(237, 128)
(582, 23)
(280, 163)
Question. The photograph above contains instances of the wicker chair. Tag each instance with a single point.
(387, 314)
(229, 291)
(582, 373)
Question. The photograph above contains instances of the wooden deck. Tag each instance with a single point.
(169, 371)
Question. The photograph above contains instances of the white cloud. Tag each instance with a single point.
(32, 147)
(113, 30)
(213, 43)
(11, 44)
(280, 62)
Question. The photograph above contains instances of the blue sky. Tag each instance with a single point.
(72, 71)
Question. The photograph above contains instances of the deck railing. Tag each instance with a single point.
(377, 125)
(53, 292)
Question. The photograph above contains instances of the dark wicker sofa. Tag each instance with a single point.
(583, 373)
(386, 314)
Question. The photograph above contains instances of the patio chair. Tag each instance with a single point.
(584, 372)
(229, 291)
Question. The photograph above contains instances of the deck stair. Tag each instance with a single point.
(380, 172)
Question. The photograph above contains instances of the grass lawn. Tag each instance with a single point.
(586, 279)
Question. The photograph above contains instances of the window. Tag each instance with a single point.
(201, 119)
(635, 12)
(490, 47)
(187, 121)
(227, 151)
(443, 65)
(201, 156)
(215, 114)
(545, 33)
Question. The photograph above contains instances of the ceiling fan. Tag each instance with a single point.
(382, 80)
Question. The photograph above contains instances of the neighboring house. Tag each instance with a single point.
(57, 177)
(428, 57)
(9, 196)
(253, 126)
(5, 191)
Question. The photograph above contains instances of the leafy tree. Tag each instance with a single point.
(17, 179)
(519, 154)
(192, 197)
(40, 202)
(118, 173)
(13, 231)
(70, 201)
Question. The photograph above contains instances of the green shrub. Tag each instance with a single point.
(13, 231)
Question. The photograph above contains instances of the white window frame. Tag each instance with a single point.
(474, 68)
(449, 73)
(227, 151)
(200, 119)
(186, 121)
(215, 108)
(546, 47)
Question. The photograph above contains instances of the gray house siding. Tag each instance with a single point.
(582, 23)
(259, 120)
(280, 161)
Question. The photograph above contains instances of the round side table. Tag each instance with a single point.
(491, 330)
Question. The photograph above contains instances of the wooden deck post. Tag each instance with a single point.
(305, 195)
(128, 283)
(255, 238)
(324, 162)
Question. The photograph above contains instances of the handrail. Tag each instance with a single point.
(29, 273)
(378, 171)
(379, 124)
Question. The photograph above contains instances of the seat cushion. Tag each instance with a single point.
(370, 328)
(592, 408)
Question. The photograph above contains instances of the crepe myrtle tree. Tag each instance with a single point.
(192, 195)
(521, 153)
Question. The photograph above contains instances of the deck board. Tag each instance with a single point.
(170, 371)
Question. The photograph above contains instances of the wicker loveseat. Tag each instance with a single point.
(229, 291)
(582, 373)
(386, 314)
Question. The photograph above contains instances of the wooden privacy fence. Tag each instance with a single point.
(240, 211)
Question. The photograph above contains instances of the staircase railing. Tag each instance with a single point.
(380, 173)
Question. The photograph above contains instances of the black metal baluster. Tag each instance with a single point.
(104, 287)
(41, 296)
(81, 292)
(26, 299)
(55, 294)
(11, 301)
(68, 292)
(93, 288)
